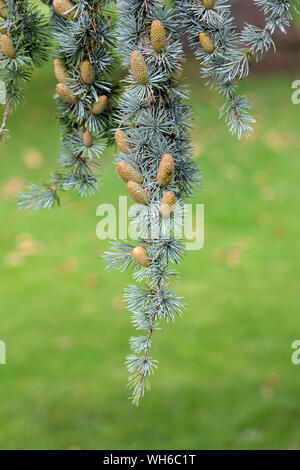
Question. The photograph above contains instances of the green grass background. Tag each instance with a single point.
(225, 378)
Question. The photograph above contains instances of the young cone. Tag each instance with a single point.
(62, 7)
(141, 256)
(138, 193)
(87, 139)
(206, 43)
(7, 46)
(167, 204)
(87, 73)
(177, 77)
(3, 9)
(66, 94)
(139, 68)
(166, 170)
(100, 105)
(60, 71)
(128, 173)
(208, 4)
(158, 35)
(122, 141)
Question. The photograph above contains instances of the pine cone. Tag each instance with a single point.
(62, 7)
(87, 139)
(158, 35)
(7, 46)
(206, 43)
(66, 94)
(100, 105)
(128, 173)
(87, 72)
(167, 204)
(60, 71)
(166, 170)
(139, 68)
(141, 256)
(122, 141)
(138, 193)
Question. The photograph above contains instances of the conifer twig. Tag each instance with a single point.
(154, 160)
(225, 54)
(5, 116)
(24, 45)
(85, 96)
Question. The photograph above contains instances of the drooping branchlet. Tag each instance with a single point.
(25, 44)
(81, 57)
(224, 51)
(156, 116)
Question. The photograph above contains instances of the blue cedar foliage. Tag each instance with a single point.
(90, 31)
(29, 32)
(233, 51)
(156, 119)
(86, 36)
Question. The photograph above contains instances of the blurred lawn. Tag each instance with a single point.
(225, 378)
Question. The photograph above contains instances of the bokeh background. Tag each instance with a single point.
(225, 379)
